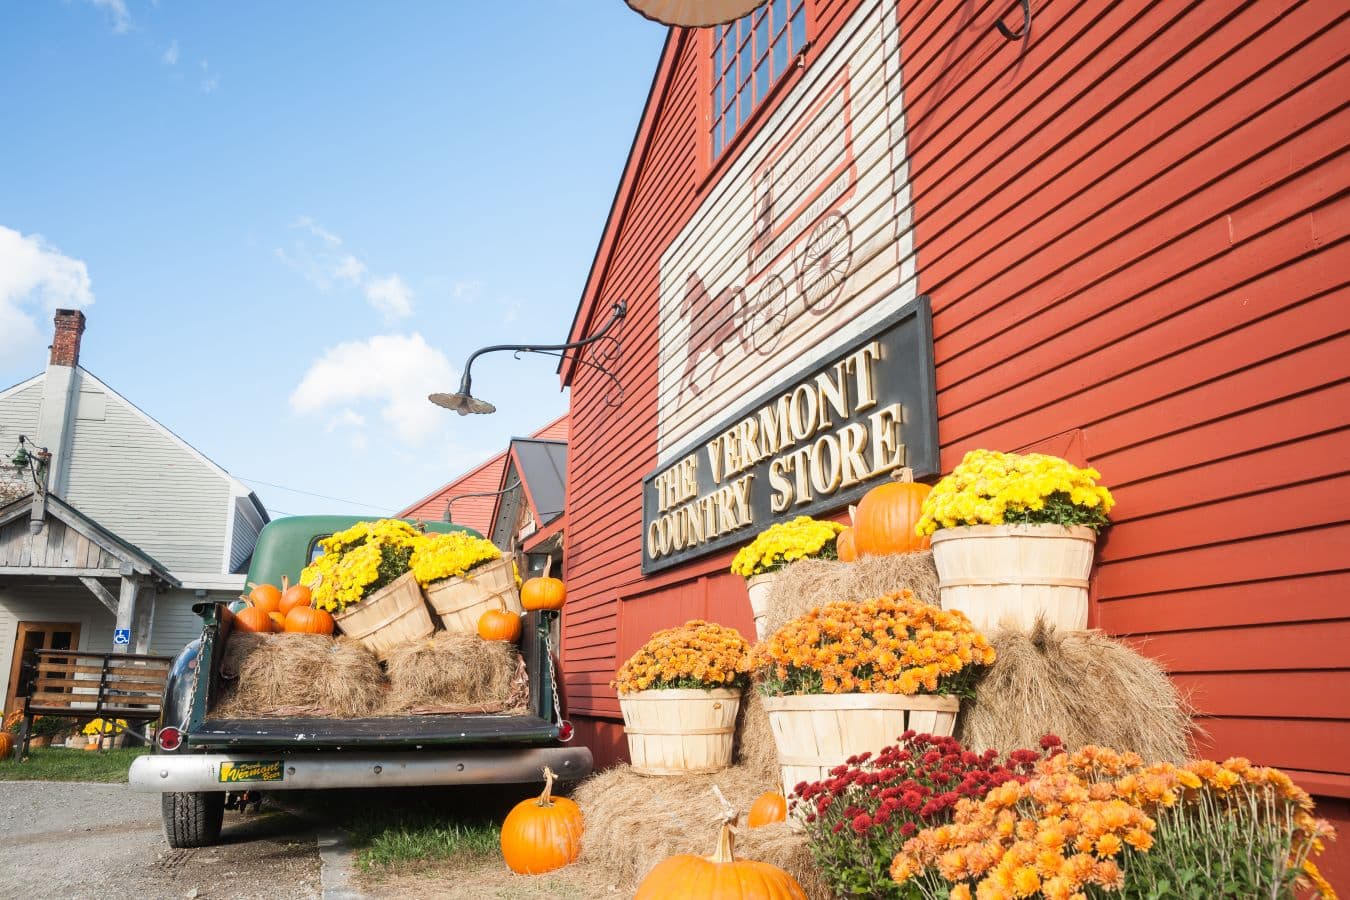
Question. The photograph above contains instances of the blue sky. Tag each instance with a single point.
(287, 222)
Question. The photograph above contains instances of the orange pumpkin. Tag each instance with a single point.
(253, 618)
(542, 834)
(293, 595)
(6, 744)
(308, 620)
(278, 621)
(498, 625)
(768, 807)
(265, 596)
(719, 876)
(844, 546)
(543, 593)
(885, 518)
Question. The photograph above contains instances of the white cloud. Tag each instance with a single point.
(321, 257)
(390, 374)
(117, 12)
(466, 291)
(35, 276)
(170, 57)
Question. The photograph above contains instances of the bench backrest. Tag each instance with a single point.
(119, 685)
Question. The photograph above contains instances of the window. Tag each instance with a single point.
(748, 56)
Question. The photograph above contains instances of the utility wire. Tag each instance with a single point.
(282, 487)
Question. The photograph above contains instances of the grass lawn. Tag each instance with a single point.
(60, 764)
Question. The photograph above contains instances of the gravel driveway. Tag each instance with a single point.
(67, 839)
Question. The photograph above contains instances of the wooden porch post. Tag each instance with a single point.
(126, 609)
(145, 617)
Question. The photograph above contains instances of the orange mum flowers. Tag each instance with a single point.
(697, 654)
(890, 645)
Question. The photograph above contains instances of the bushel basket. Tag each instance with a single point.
(393, 615)
(461, 601)
(680, 731)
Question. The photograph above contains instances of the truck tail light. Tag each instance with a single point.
(169, 738)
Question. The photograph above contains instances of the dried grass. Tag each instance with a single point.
(451, 671)
(298, 674)
(808, 583)
(635, 821)
(755, 749)
(1081, 685)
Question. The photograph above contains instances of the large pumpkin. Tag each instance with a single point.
(498, 625)
(542, 834)
(543, 593)
(717, 877)
(308, 620)
(768, 807)
(6, 744)
(253, 618)
(293, 595)
(265, 596)
(885, 518)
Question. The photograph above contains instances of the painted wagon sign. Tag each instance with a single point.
(804, 244)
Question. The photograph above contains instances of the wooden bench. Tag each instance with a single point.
(92, 685)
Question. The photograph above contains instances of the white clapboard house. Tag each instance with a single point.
(132, 528)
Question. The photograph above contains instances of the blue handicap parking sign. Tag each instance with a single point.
(122, 636)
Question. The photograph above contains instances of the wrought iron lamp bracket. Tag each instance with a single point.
(1011, 35)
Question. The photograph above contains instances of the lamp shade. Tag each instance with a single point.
(695, 13)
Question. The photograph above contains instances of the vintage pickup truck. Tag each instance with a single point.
(202, 763)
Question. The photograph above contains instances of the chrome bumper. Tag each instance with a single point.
(186, 772)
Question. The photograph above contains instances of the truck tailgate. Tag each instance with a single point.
(376, 731)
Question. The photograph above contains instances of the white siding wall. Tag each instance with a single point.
(18, 415)
(136, 481)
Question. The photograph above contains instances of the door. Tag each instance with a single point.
(31, 637)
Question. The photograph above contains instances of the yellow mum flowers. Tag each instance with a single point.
(786, 542)
(440, 556)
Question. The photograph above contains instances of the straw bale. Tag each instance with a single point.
(635, 821)
(808, 583)
(1080, 685)
(298, 674)
(454, 672)
(755, 749)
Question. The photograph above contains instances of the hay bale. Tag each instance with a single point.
(298, 674)
(451, 671)
(756, 751)
(809, 583)
(1080, 685)
(635, 821)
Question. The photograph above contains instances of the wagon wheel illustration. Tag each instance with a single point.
(769, 315)
(824, 263)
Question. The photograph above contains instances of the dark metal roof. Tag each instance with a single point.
(543, 469)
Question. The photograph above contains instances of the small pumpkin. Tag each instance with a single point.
(278, 621)
(768, 807)
(293, 595)
(542, 834)
(543, 592)
(6, 744)
(885, 518)
(308, 620)
(718, 877)
(265, 596)
(845, 547)
(498, 625)
(253, 618)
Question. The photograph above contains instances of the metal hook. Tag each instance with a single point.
(1026, 24)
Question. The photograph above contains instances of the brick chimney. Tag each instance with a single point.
(66, 342)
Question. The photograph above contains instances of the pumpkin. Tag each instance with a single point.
(768, 807)
(542, 834)
(308, 620)
(543, 592)
(6, 744)
(265, 596)
(278, 621)
(885, 518)
(844, 546)
(253, 618)
(293, 595)
(718, 877)
(498, 625)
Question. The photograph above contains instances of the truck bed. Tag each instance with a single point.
(372, 732)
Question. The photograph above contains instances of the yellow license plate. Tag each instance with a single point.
(235, 772)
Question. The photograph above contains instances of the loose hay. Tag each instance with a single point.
(635, 821)
(454, 672)
(298, 674)
(755, 749)
(808, 583)
(1080, 685)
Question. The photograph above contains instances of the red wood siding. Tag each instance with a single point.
(476, 512)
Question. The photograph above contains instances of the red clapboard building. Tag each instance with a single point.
(853, 235)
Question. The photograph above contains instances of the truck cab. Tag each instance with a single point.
(198, 759)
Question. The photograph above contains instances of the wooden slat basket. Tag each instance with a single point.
(680, 732)
(759, 588)
(461, 602)
(1010, 575)
(393, 615)
(816, 732)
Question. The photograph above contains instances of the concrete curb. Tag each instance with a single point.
(336, 871)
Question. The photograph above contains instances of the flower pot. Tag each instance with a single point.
(393, 615)
(816, 732)
(759, 587)
(76, 742)
(40, 740)
(680, 732)
(461, 601)
(1009, 575)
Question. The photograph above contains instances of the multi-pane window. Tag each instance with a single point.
(748, 56)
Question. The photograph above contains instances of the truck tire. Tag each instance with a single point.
(192, 819)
